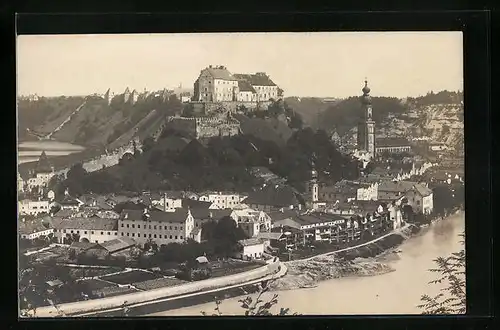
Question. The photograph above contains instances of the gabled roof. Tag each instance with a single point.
(220, 73)
(87, 223)
(400, 186)
(65, 213)
(118, 244)
(203, 213)
(33, 226)
(257, 79)
(269, 235)
(177, 216)
(422, 190)
(245, 86)
(83, 245)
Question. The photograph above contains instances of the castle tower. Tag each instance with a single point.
(126, 95)
(134, 96)
(108, 96)
(366, 127)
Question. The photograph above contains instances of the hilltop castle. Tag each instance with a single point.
(216, 84)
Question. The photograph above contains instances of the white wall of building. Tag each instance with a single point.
(37, 234)
(251, 251)
(93, 235)
(29, 207)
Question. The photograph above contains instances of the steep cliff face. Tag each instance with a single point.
(442, 123)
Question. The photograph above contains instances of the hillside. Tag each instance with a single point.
(50, 111)
(96, 123)
(309, 108)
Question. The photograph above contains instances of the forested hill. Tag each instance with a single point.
(225, 163)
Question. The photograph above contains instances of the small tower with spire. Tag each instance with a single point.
(108, 96)
(134, 96)
(366, 126)
(126, 95)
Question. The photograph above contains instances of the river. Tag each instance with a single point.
(31, 151)
(396, 292)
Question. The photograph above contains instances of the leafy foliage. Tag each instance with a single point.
(257, 307)
(452, 298)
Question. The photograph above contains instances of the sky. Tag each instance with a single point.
(315, 64)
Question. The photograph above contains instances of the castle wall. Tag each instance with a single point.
(232, 106)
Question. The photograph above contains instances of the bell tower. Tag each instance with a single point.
(366, 127)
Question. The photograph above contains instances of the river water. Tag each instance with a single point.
(397, 292)
(31, 151)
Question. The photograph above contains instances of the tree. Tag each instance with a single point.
(257, 307)
(225, 236)
(452, 298)
(148, 144)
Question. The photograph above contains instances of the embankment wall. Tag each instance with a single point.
(96, 305)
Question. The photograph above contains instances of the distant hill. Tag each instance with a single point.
(309, 108)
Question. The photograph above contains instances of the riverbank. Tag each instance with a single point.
(397, 291)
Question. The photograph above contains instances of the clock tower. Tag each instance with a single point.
(366, 127)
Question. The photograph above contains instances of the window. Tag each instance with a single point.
(127, 225)
(170, 236)
(159, 227)
(175, 227)
(139, 226)
(154, 235)
(96, 241)
(133, 226)
(122, 225)
(85, 232)
(116, 233)
(196, 224)
(128, 234)
(149, 226)
(154, 227)
(181, 237)
(170, 227)
(144, 235)
(159, 235)
(133, 234)
(102, 233)
(149, 235)
(175, 236)
(122, 234)
(108, 232)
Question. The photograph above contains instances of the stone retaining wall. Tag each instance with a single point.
(102, 304)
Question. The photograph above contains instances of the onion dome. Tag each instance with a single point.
(366, 89)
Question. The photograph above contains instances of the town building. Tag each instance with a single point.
(94, 229)
(271, 239)
(421, 199)
(222, 200)
(30, 207)
(393, 145)
(251, 221)
(119, 245)
(274, 198)
(366, 128)
(392, 190)
(156, 225)
(41, 175)
(217, 84)
(69, 203)
(251, 248)
(31, 229)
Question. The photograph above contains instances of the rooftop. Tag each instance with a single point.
(43, 165)
(87, 223)
(220, 72)
(281, 196)
(400, 186)
(392, 142)
(118, 244)
(33, 226)
(245, 86)
(257, 79)
(178, 216)
(250, 242)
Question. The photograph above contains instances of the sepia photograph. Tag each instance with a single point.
(220, 174)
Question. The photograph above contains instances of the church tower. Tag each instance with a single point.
(312, 190)
(366, 127)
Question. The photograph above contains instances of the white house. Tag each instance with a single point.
(94, 229)
(367, 192)
(251, 248)
(20, 183)
(34, 229)
(420, 198)
(395, 215)
(222, 200)
(157, 226)
(252, 221)
(167, 203)
(29, 207)
(41, 174)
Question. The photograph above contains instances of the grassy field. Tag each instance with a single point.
(131, 277)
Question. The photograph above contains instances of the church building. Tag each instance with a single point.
(366, 127)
